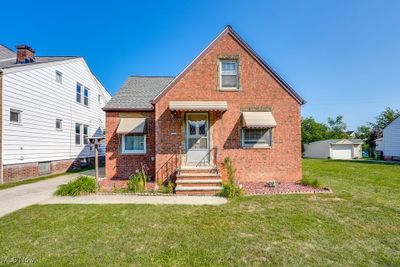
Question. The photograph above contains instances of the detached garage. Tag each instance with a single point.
(334, 149)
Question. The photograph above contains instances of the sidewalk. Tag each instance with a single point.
(137, 199)
(22, 196)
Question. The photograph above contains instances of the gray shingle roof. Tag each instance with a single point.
(138, 92)
(5, 52)
(38, 60)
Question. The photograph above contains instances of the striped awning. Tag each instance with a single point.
(132, 126)
(258, 120)
(198, 105)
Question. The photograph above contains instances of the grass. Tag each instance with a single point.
(359, 224)
(41, 178)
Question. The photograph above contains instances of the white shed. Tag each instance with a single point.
(334, 149)
(391, 140)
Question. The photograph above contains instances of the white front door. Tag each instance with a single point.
(197, 138)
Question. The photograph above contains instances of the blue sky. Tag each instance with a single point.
(343, 57)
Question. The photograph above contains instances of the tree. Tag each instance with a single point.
(385, 118)
(312, 131)
(337, 128)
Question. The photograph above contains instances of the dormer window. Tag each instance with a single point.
(229, 75)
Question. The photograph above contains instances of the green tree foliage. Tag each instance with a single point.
(337, 128)
(385, 118)
(312, 131)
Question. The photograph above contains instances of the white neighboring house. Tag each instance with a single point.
(334, 149)
(391, 140)
(50, 107)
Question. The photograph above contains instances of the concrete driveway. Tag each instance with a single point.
(21, 196)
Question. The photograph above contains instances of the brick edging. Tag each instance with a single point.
(298, 192)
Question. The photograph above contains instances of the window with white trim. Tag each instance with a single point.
(78, 93)
(86, 96)
(78, 134)
(59, 124)
(134, 144)
(229, 74)
(85, 134)
(256, 137)
(15, 116)
(58, 76)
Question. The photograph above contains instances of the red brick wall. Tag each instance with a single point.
(17, 172)
(122, 166)
(257, 90)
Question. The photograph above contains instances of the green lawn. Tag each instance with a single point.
(40, 178)
(359, 224)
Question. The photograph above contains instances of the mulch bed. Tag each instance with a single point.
(260, 188)
(110, 185)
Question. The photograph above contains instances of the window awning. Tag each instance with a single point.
(198, 105)
(131, 126)
(257, 120)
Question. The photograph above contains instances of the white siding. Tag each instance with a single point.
(42, 100)
(318, 149)
(391, 139)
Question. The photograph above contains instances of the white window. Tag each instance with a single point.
(58, 124)
(256, 137)
(85, 134)
(15, 116)
(86, 96)
(78, 134)
(229, 74)
(134, 144)
(78, 93)
(58, 76)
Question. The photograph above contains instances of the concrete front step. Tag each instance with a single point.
(198, 176)
(197, 190)
(199, 182)
(199, 169)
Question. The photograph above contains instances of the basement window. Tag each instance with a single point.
(15, 116)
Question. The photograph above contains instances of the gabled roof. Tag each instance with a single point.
(138, 92)
(8, 59)
(7, 64)
(256, 57)
(347, 141)
(6, 53)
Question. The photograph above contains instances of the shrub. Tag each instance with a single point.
(168, 189)
(80, 186)
(230, 189)
(137, 182)
(313, 182)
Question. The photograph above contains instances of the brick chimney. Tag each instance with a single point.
(25, 54)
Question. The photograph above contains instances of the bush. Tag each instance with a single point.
(313, 182)
(169, 189)
(230, 189)
(80, 186)
(137, 182)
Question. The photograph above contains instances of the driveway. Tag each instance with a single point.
(21, 196)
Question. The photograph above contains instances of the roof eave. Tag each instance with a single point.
(128, 109)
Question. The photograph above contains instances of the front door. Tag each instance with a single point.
(197, 138)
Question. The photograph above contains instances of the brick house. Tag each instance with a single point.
(226, 102)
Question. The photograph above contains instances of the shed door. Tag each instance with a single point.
(342, 152)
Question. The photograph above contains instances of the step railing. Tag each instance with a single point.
(169, 169)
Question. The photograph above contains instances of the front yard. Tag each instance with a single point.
(359, 224)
